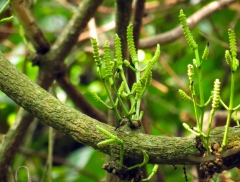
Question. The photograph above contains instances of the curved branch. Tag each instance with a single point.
(161, 150)
(45, 77)
(32, 31)
(193, 20)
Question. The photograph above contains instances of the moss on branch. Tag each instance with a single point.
(161, 150)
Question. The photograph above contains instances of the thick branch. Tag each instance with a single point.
(162, 150)
(193, 20)
(45, 78)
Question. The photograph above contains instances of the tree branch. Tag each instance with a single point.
(123, 14)
(161, 150)
(49, 63)
(137, 22)
(193, 20)
(32, 31)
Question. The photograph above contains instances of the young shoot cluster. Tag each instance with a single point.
(120, 94)
(111, 73)
(214, 99)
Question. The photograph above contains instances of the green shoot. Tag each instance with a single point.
(185, 125)
(112, 139)
(233, 63)
(197, 63)
(231, 59)
(154, 170)
(111, 73)
(145, 161)
(215, 104)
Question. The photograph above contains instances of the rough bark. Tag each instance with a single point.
(161, 150)
(49, 63)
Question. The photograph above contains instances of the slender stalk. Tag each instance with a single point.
(236, 108)
(200, 85)
(127, 87)
(196, 113)
(120, 101)
(230, 111)
(111, 100)
(139, 100)
(209, 129)
(4, 6)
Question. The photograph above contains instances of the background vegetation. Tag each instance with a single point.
(164, 109)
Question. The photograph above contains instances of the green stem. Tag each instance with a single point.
(122, 104)
(198, 62)
(230, 111)
(154, 170)
(209, 129)
(139, 100)
(201, 97)
(145, 161)
(4, 6)
(195, 108)
(132, 107)
(200, 85)
(236, 108)
(127, 88)
(208, 101)
(111, 100)
(223, 104)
